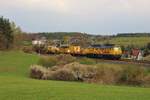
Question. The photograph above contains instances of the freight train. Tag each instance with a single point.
(108, 51)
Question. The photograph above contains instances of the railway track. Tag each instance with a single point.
(125, 61)
(142, 62)
(121, 61)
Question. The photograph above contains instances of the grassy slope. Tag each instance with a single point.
(15, 85)
(147, 58)
(137, 41)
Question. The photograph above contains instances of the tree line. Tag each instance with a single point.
(133, 35)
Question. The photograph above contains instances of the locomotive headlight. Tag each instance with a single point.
(116, 49)
(68, 51)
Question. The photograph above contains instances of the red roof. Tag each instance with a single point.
(135, 52)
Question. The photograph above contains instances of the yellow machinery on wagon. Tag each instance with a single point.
(98, 51)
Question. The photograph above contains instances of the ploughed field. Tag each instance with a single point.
(15, 84)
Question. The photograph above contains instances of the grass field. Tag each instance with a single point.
(16, 85)
(147, 58)
(125, 41)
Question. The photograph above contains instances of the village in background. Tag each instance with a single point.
(85, 40)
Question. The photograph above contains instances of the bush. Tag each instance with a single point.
(27, 49)
(101, 73)
(64, 59)
(133, 75)
(106, 74)
(70, 72)
(82, 72)
(147, 80)
(63, 75)
(47, 61)
(39, 72)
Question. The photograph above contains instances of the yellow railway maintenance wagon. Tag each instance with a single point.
(73, 50)
(94, 51)
(52, 50)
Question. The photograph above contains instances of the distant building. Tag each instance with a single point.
(56, 42)
(136, 54)
(41, 41)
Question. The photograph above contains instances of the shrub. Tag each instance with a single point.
(27, 49)
(39, 72)
(63, 75)
(101, 73)
(64, 59)
(133, 75)
(70, 72)
(147, 80)
(47, 61)
(106, 74)
(94, 74)
(81, 72)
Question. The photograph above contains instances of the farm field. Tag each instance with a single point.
(147, 58)
(15, 84)
(125, 41)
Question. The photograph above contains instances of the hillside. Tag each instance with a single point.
(147, 58)
(138, 40)
(125, 41)
(15, 84)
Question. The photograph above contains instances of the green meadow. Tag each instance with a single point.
(125, 41)
(15, 84)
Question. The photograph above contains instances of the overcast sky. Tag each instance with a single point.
(92, 16)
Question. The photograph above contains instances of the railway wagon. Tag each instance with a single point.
(94, 51)
(73, 50)
(52, 50)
